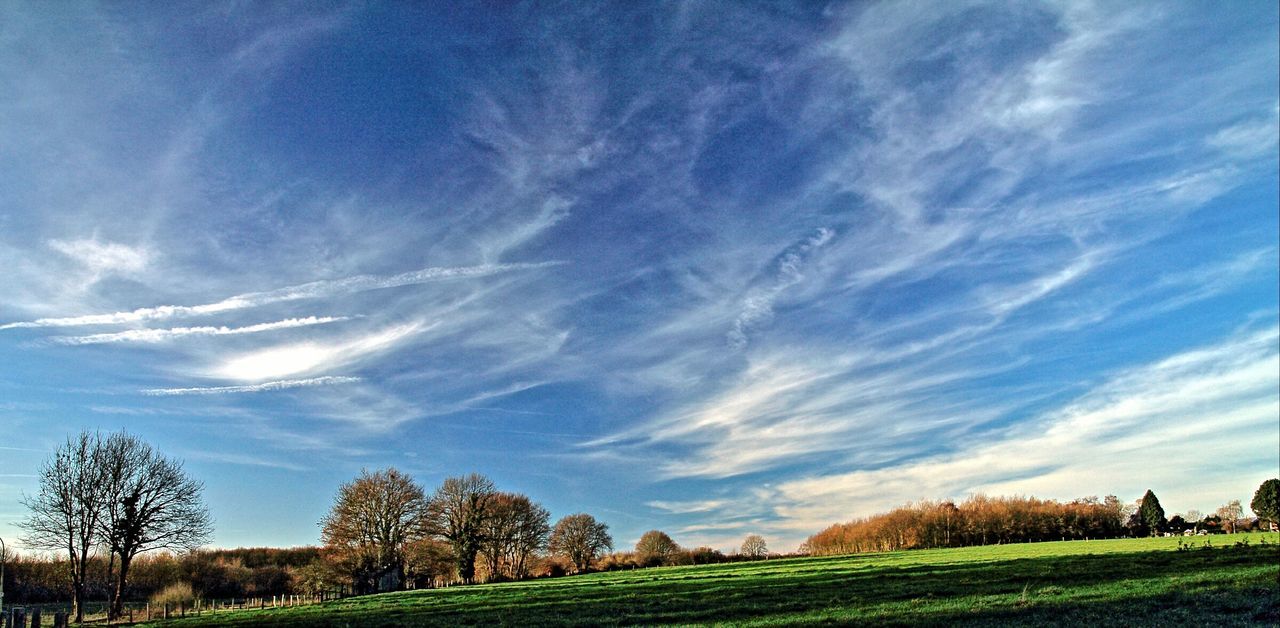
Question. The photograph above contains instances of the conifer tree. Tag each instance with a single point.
(1151, 514)
(1266, 501)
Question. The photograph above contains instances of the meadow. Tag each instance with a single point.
(1110, 582)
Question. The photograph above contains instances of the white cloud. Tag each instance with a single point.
(1045, 96)
(295, 359)
(1208, 413)
(1200, 186)
(103, 257)
(98, 260)
(162, 335)
(313, 290)
(1041, 287)
(685, 507)
(242, 460)
(252, 388)
(757, 306)
(1252, 138)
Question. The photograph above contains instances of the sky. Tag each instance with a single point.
(714, 268)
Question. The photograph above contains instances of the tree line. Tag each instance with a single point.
(384, 532)
(207, 574)
(983, 520)
(104, 500)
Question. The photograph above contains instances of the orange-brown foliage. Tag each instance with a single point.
(979, 520)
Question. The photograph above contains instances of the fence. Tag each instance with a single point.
(59, 615)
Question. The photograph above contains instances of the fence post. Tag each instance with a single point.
(19, 618)
(35, 618)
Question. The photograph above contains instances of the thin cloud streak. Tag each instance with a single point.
(284, 384)
(757, 306)
(1123, 428)
(708, 505)
(309, 357)
(162, 335)
(243, 460)
(312, 290)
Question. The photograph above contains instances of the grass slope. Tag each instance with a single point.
(1118, 582)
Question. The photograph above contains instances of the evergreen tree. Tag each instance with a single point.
(1151, 514)
(1266, 501)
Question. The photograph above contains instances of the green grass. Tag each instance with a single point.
(1118, 582)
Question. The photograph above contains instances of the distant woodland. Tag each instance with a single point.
(119, 521)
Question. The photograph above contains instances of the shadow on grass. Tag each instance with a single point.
(1231, 586)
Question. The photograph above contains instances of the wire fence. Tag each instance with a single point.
(59, 615)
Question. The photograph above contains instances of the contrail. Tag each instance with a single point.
(312, 290)
(161, 335)
(263, 387)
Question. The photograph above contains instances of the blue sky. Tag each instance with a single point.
(711, 268)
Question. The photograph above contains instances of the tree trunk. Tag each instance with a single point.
(117, 600)
(77, 584)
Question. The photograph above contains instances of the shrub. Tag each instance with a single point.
(176, 593)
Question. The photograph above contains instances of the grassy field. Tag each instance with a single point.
(1118, 582)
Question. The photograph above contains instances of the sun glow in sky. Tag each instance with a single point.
(714, 268)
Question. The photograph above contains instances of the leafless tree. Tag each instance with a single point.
(532, 532)
(457, 513)
(65, 513)
(150, 504)
(581, 539)
(754, 546)
(1231, 514)
(514, 529)
(372, 520)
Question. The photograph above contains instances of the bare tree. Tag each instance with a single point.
(1231, 514)
(581, 539)
(514, 529)
(532, 531)
(1119, 511)
(66, 512)
(754, 546)
(457, 513)
(372, 520)
(150, 504)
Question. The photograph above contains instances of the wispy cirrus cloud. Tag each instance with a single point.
(1251, 138)
(1120, 434)
(162, 335)
(757, 305)
(685, 507)
(312, 290)
(284, 384)
(244, 460)
(103, 258)
(294, 359)
(801, 243)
